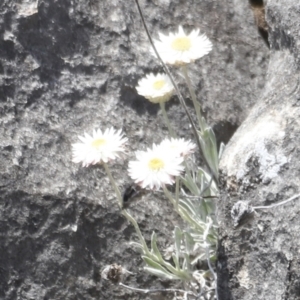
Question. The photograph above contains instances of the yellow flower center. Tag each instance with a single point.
(98, 143)
(181, 44)
(157, 85)
(156, 164)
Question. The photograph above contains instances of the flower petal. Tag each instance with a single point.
(98, 147)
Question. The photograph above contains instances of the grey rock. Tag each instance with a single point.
(67, 67)
(260, 259)
(241, 211)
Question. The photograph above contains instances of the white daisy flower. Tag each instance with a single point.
(100, 147)
(156, 88)
(179, 147)
(181, 49)
(154, 168)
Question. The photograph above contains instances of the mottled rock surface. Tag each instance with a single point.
(260, 258)
(67, 67)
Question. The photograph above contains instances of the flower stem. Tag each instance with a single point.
(137, 229)
(163, 110)
(194, 98)
(177, 192)
(124, 212)
(168, 195)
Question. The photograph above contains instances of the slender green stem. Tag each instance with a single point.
(137, 229)
(194, 98)
(163, 110)
(177, 192)
(124, 212)
(169, 196)
(113, 183)
(187, 169)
